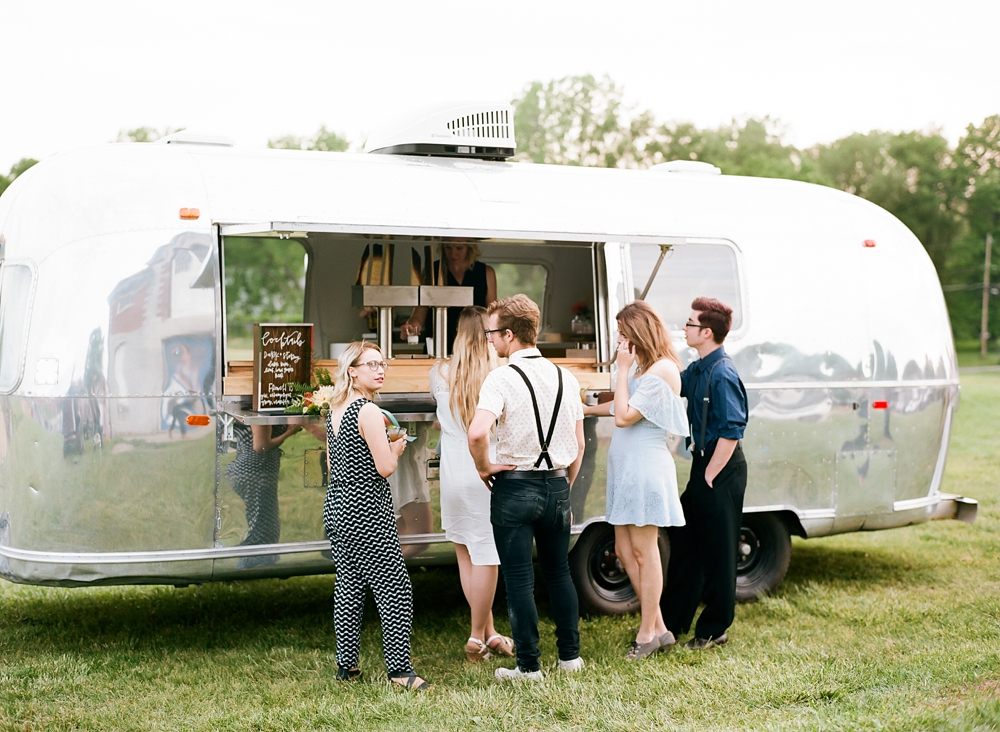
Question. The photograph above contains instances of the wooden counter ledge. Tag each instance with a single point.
(407, 375)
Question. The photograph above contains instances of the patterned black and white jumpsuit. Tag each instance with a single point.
(254, 477)
(361, 524)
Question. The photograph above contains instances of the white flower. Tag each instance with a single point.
(323, 396)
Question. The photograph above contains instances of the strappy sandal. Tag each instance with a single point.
(476, 651)
(503, 646)
(348, 674)
(409, 680)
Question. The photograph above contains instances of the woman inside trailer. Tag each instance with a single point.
(459, 261)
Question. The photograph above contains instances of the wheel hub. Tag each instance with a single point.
(610, 579)
(747, 551)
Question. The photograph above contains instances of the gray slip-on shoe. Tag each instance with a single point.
(667, 642)
(641, 650)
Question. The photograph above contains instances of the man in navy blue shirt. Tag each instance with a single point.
(703, 551)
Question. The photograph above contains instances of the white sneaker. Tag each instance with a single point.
(516, 674)
(571, 666)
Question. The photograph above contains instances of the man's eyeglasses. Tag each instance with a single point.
(494, 330)
(699, 326)
(373, 365)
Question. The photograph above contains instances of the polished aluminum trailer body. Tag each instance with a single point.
(113, 315)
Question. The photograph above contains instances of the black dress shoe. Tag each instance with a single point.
(701, 644)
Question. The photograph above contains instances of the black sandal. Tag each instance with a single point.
(348, 674)
(409, 680)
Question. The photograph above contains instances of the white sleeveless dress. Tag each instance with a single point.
(465, 499)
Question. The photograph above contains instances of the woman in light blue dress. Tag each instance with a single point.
(642, 490)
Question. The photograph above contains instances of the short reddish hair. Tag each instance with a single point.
(714, 315)
(519, 315)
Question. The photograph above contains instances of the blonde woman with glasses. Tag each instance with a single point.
(360, 522)
(465, 502)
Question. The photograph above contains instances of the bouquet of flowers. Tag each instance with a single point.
(580, 309)
(312, 398)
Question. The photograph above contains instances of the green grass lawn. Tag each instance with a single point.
(896, 630)
(969, 355)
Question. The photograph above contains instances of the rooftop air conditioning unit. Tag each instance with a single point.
(481, 130)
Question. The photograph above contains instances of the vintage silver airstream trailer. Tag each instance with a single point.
(120, 330)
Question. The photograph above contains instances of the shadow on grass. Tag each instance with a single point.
(233, 615)
(817, 562)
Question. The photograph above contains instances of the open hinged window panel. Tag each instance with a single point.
(273, 275)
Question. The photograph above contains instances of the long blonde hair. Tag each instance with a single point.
(473, 252)
(343, 385)
(643, 327)
(472, 359)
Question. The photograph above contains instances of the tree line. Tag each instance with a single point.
(949, 196)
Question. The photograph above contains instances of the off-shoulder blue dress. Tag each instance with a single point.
(642, 478)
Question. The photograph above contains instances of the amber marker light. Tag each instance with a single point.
(190, 213)
(199, 420)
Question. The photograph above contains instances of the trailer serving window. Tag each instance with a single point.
(265, 279)
(16, 281)
(672, 275)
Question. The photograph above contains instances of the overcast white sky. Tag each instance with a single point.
(75, 73)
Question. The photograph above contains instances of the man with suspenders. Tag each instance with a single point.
(536, 407)
(703, 552)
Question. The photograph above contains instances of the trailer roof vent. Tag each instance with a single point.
(483, 130)
(196, 138)
(687, 166)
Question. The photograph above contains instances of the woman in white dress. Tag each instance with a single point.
(642, 493)
(465, 501)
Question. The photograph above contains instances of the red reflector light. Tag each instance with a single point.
(870, 243)
(199, 420)
(190, 213)
(875, 405)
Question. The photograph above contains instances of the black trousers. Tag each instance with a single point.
(703, 551)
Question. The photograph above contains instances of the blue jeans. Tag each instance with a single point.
(522, 510)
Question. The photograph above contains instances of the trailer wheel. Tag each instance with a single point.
(601, 581)
(763, 554)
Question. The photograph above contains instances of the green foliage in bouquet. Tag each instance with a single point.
(312, 398)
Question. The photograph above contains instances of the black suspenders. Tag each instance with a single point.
(705, 402)
(543, 439)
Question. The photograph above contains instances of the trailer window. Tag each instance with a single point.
(265, 280)
(15, 300)
(687, 271)
(516, 277)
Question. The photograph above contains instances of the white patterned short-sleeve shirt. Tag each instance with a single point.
(505, 394)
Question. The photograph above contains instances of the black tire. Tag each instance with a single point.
(763, 554)
(601, 582)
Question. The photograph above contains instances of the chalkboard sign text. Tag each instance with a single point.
(282, 356)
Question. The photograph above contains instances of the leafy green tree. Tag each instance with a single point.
(755, 147)
(579, 120)
(977, 168)
(324, 139)
(17, 169)
(265, 281)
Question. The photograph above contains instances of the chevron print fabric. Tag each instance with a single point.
(360, 522)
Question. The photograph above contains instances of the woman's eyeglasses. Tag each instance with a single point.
(373, 365)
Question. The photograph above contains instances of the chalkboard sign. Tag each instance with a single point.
(282, 356)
